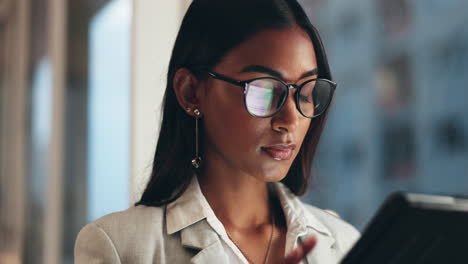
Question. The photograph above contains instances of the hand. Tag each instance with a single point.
(300, 252)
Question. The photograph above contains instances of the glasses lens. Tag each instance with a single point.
(264, 97)
(315, 97)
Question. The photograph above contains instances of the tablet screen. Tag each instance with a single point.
(415, 228)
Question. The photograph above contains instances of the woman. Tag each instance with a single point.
(246, 99)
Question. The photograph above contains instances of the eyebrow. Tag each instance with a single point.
(271, 72)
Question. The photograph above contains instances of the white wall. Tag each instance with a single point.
(155, 26)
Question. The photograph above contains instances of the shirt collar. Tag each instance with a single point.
(298, 219)
(192, 207)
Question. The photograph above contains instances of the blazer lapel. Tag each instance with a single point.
(211, 254)
(188, 214)
(200, 236)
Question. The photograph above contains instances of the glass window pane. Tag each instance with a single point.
(109, 109)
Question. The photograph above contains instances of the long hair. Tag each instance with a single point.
(209, 30)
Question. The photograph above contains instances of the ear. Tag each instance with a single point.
(185, 87)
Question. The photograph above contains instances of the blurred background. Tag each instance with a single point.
(81, 85)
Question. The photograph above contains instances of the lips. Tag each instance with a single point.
(280, 151)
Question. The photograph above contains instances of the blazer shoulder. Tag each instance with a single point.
(344, 233)
(114, 235)
(93, 245)
(133, 217)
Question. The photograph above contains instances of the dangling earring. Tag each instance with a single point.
(196, 162)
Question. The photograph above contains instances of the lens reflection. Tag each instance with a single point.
(264, 97)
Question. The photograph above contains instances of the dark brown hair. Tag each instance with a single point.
(209, 30)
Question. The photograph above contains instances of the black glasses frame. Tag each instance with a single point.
(245, 85)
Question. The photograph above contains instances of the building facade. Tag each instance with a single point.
(398, 121)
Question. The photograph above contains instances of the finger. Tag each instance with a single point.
(300, 252)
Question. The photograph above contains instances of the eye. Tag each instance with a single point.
(305, 98)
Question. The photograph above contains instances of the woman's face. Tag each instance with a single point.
(261, 147)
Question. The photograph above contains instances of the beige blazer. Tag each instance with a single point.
(187, 231)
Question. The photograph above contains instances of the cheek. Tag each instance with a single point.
(233, 129)
(302, 129)
(228, 126)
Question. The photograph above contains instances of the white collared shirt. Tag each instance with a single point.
(187, 230)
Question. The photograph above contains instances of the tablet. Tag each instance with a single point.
(415, 228)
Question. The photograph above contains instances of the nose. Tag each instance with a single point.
(288, 118)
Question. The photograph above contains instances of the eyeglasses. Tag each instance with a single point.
(266, 96)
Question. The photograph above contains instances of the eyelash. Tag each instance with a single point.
(302, 97)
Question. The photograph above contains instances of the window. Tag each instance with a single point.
(395, 15)
(109, 110)
(398, 150)
(394, 85)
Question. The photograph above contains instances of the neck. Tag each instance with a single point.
(239, 200)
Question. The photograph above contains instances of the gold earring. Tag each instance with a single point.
(196, 162)
(188, 109)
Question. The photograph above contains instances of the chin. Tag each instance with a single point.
(268, 170)
(272, 175)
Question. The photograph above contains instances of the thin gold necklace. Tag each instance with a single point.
(269, 242)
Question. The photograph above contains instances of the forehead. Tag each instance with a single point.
(289, 51)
